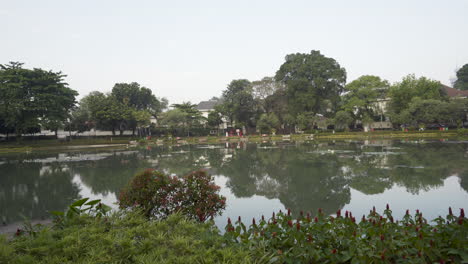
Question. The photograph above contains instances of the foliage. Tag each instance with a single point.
(191, 115)
(124, 238)
(305, 120)
(462, 78)
(402, 93)
(128, 106)
(159, 195)
(343, 120)
(362, 96)
(266, 87)
(277, 103)
(83, 206)
(268, 123)
(340, 239)
(215, 119)
(30, 99)
(313, 82)
(238, 103)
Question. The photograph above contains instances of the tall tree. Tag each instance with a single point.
(238, 103)
(31, 99)
(137, 98)
(362, 95)
(462, 78)
(313, 82)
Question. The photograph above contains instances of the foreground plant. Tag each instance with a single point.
(158, 195)
(123, 237)
(343, 239)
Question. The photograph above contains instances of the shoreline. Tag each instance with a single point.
(114, 142)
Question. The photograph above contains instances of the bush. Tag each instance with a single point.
(375, 239)
(124, 237)
(159, 195)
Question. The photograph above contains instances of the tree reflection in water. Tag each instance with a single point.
(303, 176)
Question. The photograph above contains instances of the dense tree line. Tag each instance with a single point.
(308, 91)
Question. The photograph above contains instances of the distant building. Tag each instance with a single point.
(453, 93)
(205, 107)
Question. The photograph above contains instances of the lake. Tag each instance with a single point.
(256, 178)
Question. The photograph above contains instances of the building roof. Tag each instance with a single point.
(207, 105)
(452, 92)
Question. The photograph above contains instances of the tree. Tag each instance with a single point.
(267, 123)
(402, 93)
(31, 99)
(215, 119)
(277, 103)
(265, 87)
(137, 98)
(192, 116)
(362, 95)
(313, 82)
(111, 114)
(173, 118)
(462, 78)
(238, 103)
(343, 120)
(427, 111)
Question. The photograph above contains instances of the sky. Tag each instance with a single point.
(191, 50)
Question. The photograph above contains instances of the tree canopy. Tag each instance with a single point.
(33, 99)
(313, 82)
(462, 78)
(402, 93)
(362, 95)
(238, 103)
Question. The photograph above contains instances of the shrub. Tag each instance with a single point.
(159, 195)
(124, 237)
(340, 239)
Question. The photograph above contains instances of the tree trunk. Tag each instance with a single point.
(113, 131)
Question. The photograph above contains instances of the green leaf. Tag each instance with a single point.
(57, 213)
(93, 202)
(79, 202)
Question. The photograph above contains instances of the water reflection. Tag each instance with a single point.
(255, 177)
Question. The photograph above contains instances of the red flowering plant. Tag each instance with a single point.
(341, 239)
(158, 195)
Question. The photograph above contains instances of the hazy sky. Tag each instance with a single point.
(191, 50)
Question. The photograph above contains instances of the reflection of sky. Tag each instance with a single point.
(109, 199)
(246, 208)
(431, 203)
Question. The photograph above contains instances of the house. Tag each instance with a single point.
(453, 93)
(205, 107)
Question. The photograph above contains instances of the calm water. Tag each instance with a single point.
(256, 178)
